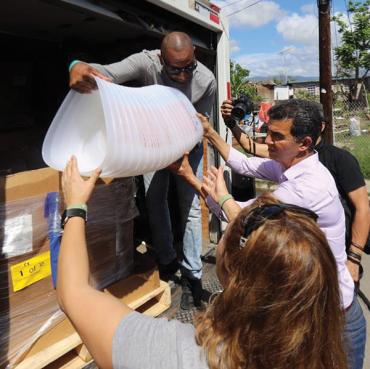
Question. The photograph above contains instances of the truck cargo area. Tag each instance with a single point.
(38, 41)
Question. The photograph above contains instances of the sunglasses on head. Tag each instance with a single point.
(175, 70)
(260, 214)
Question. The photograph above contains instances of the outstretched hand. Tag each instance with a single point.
(214, 184)
(182, 167)
(77, 190)
(81, 78)
(207, 128)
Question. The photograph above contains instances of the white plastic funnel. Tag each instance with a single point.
(125, 131)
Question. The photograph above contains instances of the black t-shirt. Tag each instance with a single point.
(346, 172)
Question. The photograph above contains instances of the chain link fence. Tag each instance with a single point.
(351, 127)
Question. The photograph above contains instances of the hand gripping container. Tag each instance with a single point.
(123, 130)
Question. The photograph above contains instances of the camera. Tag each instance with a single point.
(242, 106)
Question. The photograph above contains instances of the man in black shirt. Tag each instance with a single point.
(351, 186)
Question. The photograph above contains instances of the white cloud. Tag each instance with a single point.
(299, 61)
(234, 47)
(309, 9)
(301, 29)
(255, 16)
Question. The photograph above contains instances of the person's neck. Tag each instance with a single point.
(297, 159)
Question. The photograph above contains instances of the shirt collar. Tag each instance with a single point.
(297, 169)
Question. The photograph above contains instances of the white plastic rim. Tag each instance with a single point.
(123, 130)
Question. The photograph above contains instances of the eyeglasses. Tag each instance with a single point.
(175, 70)
(260, 214)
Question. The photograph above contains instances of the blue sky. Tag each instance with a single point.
(272, 38)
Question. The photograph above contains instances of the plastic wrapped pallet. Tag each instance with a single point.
(28, 305)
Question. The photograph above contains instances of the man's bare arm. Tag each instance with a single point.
(246, 142)
(360, 224)
(248, 145)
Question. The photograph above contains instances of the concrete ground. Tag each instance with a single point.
(365, 287)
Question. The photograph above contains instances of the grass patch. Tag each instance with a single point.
(359, 147)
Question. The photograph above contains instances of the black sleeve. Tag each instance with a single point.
(349, 175)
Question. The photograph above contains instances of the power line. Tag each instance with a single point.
(246, 7)
(232, 3)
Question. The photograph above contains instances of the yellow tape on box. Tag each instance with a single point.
(30, 271)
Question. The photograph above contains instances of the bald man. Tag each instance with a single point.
(174, 65)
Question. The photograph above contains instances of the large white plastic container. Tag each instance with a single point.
(123, 130)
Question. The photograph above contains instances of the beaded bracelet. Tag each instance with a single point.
(354, 255)
(354, 261)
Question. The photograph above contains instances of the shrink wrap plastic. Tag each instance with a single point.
(123, 130)
(27, 314)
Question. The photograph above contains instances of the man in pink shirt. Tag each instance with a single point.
(292, 133)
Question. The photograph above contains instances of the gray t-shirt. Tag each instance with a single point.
(142, 342)
(146, 68)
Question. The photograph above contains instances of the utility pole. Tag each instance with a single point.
(325, 65)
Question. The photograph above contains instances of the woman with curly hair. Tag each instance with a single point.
(280, 306)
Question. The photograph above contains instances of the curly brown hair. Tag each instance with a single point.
(280, 307)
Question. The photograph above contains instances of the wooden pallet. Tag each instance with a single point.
(62, 347)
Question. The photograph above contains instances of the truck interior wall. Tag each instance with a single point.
(34, 84)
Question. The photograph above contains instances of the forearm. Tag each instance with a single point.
(231, 209)
(107, 71)
(220, 145)
(128, 69)
(360, 227)
(361, 219)
(73, 261)
(248, 144)
(194, 182)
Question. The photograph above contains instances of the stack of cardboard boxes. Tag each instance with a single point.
(28, 305)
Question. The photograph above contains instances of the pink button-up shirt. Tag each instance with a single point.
(310, 185)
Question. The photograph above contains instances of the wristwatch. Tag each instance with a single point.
(74, 212)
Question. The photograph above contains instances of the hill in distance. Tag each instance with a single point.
(290, 78)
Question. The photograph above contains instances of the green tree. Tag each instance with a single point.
(278, 81)
(240, 84)
(353, 56)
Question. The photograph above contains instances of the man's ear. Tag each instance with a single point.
(305, 143)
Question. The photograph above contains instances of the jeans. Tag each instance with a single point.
(355, 335)
(156, 191)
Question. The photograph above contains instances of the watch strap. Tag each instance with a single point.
(73, 212)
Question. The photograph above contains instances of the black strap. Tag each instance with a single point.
(70, 213)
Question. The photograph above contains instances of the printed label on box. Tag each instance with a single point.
(30, 271)
(17, 236)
